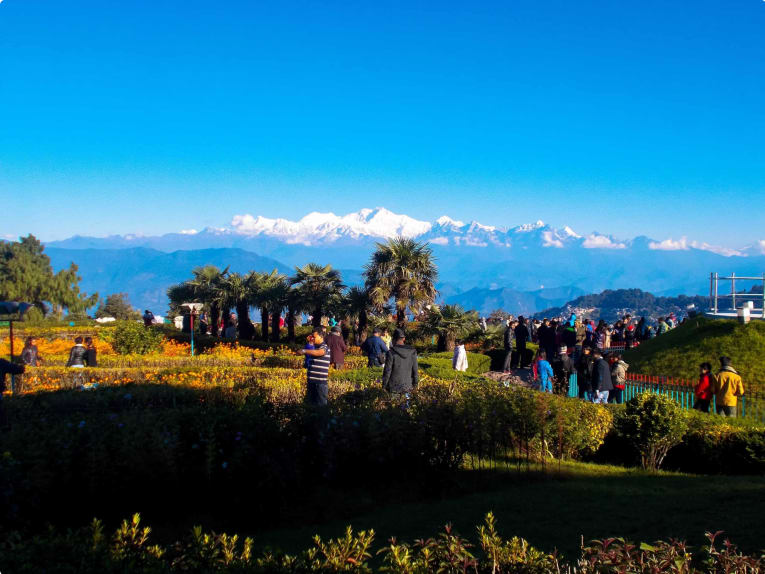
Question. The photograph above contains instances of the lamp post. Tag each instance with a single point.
(193, 308)
(15, 312)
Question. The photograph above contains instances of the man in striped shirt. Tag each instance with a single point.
(317, 389)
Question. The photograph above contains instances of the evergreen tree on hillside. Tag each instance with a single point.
(117, 305)
(26, 275)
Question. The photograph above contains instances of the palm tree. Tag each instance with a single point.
(206, 286)
(358, 306)
(316, 284)
(274, 298)
(237, 293)
(180, 294)
(262, 295)
(404, 270)
(295, 306)
(448, 323)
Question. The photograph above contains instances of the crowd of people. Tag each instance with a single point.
(569, 347)
(593, 353)
(575, 333)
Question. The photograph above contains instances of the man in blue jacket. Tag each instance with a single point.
(375, 349)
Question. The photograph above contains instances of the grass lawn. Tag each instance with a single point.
(555, 507)
(679, 352)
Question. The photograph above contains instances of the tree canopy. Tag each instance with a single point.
(404, 270)
(117, 305)
(26, 275)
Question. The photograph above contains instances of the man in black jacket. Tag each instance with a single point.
(400, 375)
(601, 378)
(562, 367)
(521, 336)
(546, 337)
(509, 337)
(584, 366)
(78, 355)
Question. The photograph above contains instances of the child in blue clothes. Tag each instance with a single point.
(545, 373)
(309, 345)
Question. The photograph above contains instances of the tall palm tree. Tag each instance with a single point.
(316, 284)
(295, 306)
(358, 306)
(404, 270)
(274, 291)
(207, 287)
(237, 293)
(264, 286)
(449, 323)
(178, 295)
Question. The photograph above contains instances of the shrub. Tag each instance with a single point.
(131, 337)
(130, 549)
(715, 445)
(652, 424)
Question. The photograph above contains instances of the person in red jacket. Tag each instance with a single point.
(337, 347)
(703, 389)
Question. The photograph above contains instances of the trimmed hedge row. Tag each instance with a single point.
(126, 447)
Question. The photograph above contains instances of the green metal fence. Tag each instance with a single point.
(751, 405)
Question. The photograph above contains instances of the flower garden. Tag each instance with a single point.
(224, 438)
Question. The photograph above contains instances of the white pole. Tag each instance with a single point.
(733, 289)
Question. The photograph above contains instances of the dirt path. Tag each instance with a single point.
(520, 377)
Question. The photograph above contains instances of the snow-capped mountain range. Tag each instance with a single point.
(479, 265)
(324, 229)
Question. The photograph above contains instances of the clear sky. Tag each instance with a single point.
(623, 117)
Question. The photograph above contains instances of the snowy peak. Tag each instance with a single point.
(316, 226)
(446, 221)
(529, 227)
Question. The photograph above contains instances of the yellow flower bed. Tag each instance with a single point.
(283, 383)
(56, 346)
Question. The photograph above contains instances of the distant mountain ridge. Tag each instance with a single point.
(518, 302)
(612, 305)
(369, 225)
(518, 265)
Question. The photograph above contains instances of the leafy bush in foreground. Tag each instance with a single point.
(130, 549)
(131, 337)
(652, 424)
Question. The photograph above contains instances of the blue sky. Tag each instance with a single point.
(626, 118)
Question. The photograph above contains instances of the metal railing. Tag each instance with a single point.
(751, 405)
(716, 298)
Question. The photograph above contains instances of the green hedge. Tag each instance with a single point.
(711, 444)
(714, 445)
(115, 449)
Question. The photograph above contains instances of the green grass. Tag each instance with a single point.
(440, 364)
(679, 352)
(556, 506)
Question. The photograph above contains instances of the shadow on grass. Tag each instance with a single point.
(557, 506)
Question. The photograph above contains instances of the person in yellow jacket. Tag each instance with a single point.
(727, 388)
